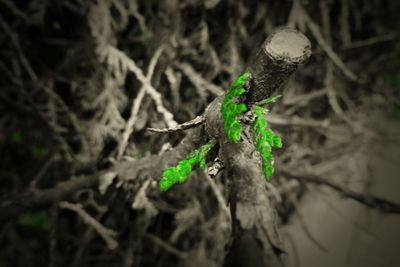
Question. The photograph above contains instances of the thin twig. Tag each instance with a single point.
(107, 234)
(150, 90)
(304, 98)
(15, 41)
(199, 82)
(180, 127)
(136, 105)
(370, 41)
(296, 121)
(303, 16)
(15, 9)
(41, 172)
(382, 205)
(181, 255)
(219, 196)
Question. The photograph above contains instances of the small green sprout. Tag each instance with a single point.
(265, 138)
(230, 110)
(181, 172)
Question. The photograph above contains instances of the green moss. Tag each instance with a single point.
(180, 173)
(265, 138)
(230, 110)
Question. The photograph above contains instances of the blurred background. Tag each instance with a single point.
(75, 100)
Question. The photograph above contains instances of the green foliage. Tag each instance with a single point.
(265, 138)
(268, 100)
(230, 110)
(33, 219)
(180, 173)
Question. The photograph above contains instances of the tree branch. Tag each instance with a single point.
(381, 204)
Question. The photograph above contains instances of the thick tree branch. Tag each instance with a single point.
(252, 211)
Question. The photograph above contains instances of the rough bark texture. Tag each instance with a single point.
(277, 59)
(253, 213)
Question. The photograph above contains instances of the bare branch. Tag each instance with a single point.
(107, 234)
(11, 207)
(383, 205)
(184, 126)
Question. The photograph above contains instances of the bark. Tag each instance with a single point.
(253, 213)
(277, 59)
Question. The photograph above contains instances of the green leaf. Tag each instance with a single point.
(185, 168)
(239, 81)
(240, 108)
(180, 173)
(202, 164)
(276, 141)
(238, 92)
(268, 100)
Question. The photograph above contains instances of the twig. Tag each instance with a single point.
(41, 172)
(329, 51)
(370, 41)
(136, 104)
(15, 9)
(314, 28)
(72, 117)
(15, 41)
(296, 121)
(174, 79)
(329, 77)
(130, 123)
(218, 195)
(107, 234)
(305, 98)
(150, 90)
(181, 255)
(344, 22)
(383, 205)
(11, 207)
(199, 82)
(180, 127)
